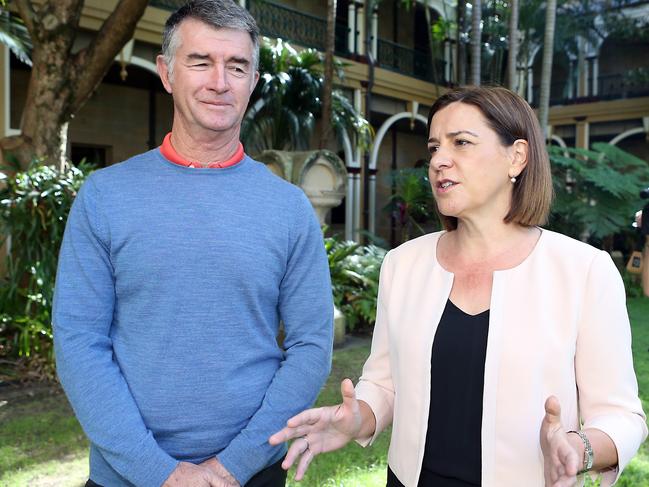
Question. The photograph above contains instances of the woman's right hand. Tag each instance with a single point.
(320, 430)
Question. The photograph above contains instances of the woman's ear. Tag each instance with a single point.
(519, 152)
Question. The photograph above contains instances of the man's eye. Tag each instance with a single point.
(199, 65)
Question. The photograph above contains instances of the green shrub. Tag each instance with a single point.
(355, 280)
(34, 206)
(412, 204)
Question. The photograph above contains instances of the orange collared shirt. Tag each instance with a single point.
(167, 150)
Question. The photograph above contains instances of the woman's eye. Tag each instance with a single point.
(433, 148)
(462, 142)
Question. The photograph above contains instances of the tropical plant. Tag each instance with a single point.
(597, 190)
(412, 204)
(355, 280)
(34, 206)
(287, 102)
(14, 35)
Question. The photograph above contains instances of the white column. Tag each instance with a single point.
(571, 78)
(448, 53)
(358, 105)
(372, 204)
(357, 208)
(595, 76)
(360, 29)
(349, 207)
(375, 33)
(530, 81)
(351, 25)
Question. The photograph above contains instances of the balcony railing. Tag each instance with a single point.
(609, 87)
(411, 62)
(307, 30)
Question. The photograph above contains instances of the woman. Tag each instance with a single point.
(501, 352)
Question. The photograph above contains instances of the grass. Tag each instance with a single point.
(41, 444)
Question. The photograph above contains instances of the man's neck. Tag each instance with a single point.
(204, 148)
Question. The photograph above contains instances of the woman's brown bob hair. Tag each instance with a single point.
(511, 118)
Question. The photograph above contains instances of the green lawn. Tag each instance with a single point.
(41, 443)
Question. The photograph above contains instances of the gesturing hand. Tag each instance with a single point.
(320, 430)
(560, 459)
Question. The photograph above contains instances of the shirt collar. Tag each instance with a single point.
(168, 152)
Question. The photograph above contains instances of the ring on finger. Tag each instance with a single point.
(307, 444)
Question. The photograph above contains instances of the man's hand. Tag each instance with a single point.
(561, 456)
(189, 475)
(218, 469)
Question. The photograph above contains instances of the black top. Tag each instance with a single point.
(452, 456)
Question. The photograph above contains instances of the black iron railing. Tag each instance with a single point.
(307, 30)
(411, 62)
(609, 87)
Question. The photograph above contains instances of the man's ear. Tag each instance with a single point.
(519, 153)
(163, 72)
(255, 81)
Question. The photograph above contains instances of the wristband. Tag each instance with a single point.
(589, 456)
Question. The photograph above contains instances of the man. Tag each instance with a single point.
(176, 268)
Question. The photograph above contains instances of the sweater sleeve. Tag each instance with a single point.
(608, 390)
(375, 386)
(306, 307)
(82, 317)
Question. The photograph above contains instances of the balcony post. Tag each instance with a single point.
(583, 133)
(571, 78)
(530, 81)
(360, 29)
(375, 33)
(351, 25)
(595, 75)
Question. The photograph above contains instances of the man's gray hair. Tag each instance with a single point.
(220, 14)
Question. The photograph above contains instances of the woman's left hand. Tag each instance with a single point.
(560, 459)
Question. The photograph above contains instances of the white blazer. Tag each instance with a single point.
(558, 325)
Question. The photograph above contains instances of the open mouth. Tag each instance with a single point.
(446, 184)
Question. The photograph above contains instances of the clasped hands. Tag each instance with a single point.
(324, 429)
(210, 473)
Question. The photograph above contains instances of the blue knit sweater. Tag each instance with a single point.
(170, 288)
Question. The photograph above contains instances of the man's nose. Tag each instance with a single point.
(218, 79)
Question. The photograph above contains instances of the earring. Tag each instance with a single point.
(513, 179)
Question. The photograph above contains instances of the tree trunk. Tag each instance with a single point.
(476, 42)
(546, 69)
(514, 40)
(461, 46)
(327, 87)
(62, 81)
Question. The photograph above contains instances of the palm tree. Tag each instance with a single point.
(513, 45)
(461, 42)
(546, 67)
(330, 45)
(476, 41)
(288, 99)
